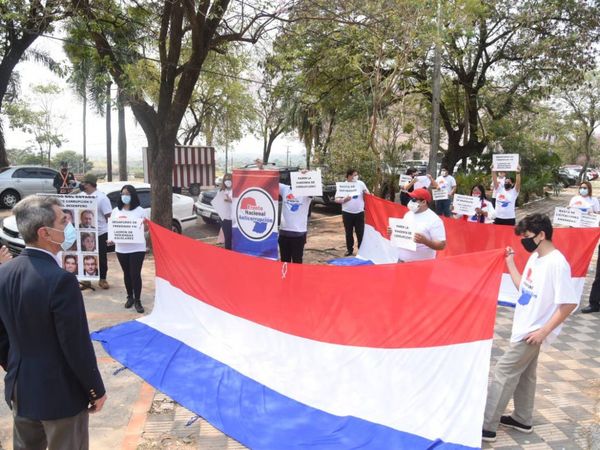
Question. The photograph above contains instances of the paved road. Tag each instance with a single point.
(136, 416)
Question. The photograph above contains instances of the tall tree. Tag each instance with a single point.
(207, 25)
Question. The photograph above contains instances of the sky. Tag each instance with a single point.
(69, 105)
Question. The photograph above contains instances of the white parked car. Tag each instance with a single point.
(183, 214)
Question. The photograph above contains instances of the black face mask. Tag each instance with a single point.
(529, 244)
(507, 186)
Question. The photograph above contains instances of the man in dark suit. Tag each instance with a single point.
(52, 380)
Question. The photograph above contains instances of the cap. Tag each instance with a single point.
(64, 164)
(90, 178)
(421, 194)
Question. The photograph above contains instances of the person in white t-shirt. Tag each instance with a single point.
(131, 256)
(547, 298)
(294, 224)
(353, 212)
(430, 234)
(506, 198)
(584, 200)
(485, 213)
(104, 209)
(500, 178)
(226, 220)
(447, 183)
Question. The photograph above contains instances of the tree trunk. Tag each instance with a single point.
(108, 135)
(122, 138)
(161, 155)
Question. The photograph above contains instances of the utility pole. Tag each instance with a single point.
(226, 142)
(435, 98)
(288, 156)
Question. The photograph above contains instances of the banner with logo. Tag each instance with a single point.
(82, 258)
(255, 212)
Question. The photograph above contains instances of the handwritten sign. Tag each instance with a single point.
(506, 162)
(423, 181)
(344, 188)
(589, 221)
(569, 217)
(404, 180)
(403, 233)
(465, 204)
(126, 231)
(308, 184)
(439, 194)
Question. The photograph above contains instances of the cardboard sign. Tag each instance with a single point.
(465, 204)
(439, 194)
(126, 231)
(589, 221)
(344, 188)
(423, 181)
(404, 180)
(307, 184)
(222, 207)
(569, 217)
(506, 162)
(403, 233)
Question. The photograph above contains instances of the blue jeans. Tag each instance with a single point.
(442, 207)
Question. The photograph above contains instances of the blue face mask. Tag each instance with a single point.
(70, 234)
(126, 199)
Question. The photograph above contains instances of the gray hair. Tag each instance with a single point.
(33, 213)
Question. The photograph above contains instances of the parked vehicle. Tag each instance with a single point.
(17, 182)
(591, 174)
(566, 177)
(183, 215)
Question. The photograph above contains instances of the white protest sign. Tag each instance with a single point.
(506, 162)
(589, 221)
(440, 194)
(405, 179)
(465, 204)
(423, 181)
(344, 188)
(403, 233)
(221, 205)
(569, 217)
(126, 231)
(308, 184)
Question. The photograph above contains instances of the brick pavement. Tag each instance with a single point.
(138, 417)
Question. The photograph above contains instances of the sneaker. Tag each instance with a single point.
(129, 302)
(103, 284)
(138, 306)
(488, 436)
(508, 421)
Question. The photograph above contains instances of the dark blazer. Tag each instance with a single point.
(45, 344)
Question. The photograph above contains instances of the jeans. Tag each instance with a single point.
(442, 207)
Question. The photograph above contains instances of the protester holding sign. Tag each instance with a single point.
(584, 200)
(485, 213)
(225, 213)
(294, 224)
(495, 185)
(353, 211)
(547, 297)
(131, 256)
(506, 198)
(429, 231)
(447, 183)
(408, 186)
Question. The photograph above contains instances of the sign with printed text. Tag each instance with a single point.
(505, 162)
(403, 233)
(82, 258)
(439, 194)
(126, 231)
(589, 221)
(423, 181)
(345, 188)
(568, 217)
(405, 179)
(308, 184)
(465, 204)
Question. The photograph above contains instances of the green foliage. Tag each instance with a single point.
(28, 156)
(74, 159)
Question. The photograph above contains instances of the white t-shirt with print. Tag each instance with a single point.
(545, 284)
(585, 204)
(505, 203)
(357, 203)
(104, 208)
(498, 185)
(137, 213)
(294, 210)
(446, 183)
(431, 226)
(486, 206)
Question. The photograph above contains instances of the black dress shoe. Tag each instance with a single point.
(590, 309)
(348, 254)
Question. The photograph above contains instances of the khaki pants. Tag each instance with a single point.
(514, 375)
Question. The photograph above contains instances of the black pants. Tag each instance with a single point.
(498, 221)
(353, 222)
(595, 292)
(226, 227)
(131, 263)
(102, 251)
(291, 248)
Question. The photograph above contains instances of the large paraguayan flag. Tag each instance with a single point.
(304, 356)
(255, 212)
(462, 237)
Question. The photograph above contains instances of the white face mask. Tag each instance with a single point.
(227, 183)
(413, 206)
(355, 178)
(444, 173)
(583, 191)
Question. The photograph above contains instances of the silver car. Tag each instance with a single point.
(20, 181)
